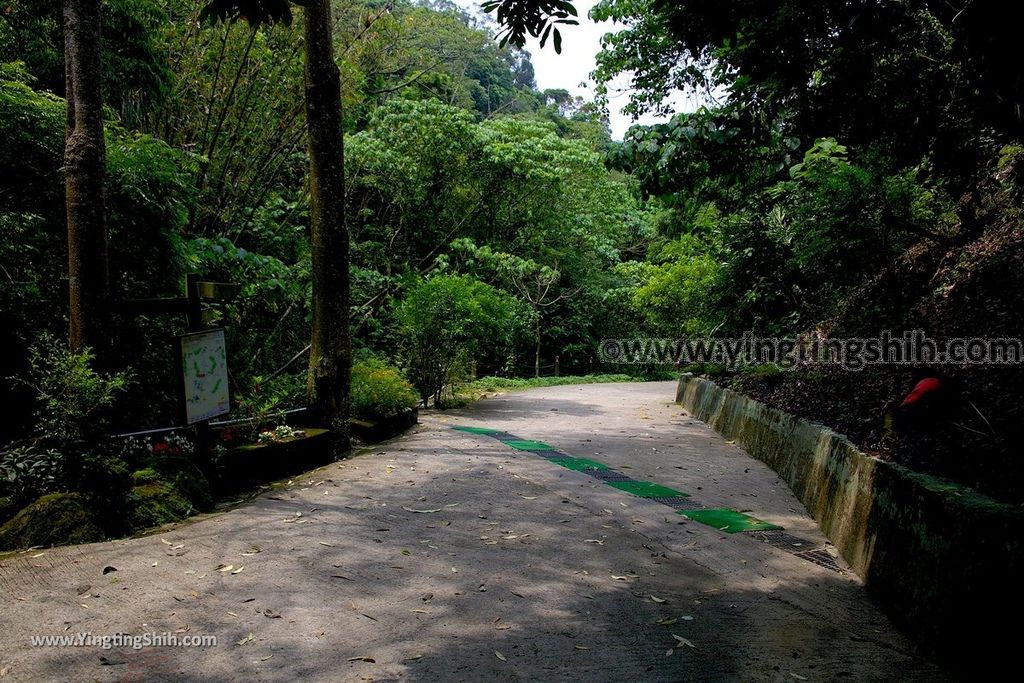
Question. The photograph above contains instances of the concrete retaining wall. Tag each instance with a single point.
(945, 561)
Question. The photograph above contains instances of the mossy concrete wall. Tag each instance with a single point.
(945, 561)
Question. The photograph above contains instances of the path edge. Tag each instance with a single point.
(944, 561)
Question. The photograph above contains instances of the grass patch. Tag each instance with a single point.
(505, 383)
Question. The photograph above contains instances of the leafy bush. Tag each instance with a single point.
(156, 503)
(379, 390)
(27, 472)
(449, 320)
(70, 392)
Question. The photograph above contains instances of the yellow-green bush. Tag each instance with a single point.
(379, 391)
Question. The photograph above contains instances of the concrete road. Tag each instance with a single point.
(446, 556)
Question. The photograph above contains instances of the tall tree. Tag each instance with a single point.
(330, 358)
(85, 159)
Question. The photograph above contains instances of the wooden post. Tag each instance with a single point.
(195, 324)
(195, 308)
(556, 366)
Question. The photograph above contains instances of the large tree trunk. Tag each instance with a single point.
(85, 166)
(330, 359)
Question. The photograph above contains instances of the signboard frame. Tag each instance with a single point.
(218, 401)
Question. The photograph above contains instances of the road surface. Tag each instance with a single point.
(450, 556)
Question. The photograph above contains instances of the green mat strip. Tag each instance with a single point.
(527, 445)
(477, 430)
(729, 521)
(647, 489)
(723, 519)
(579, 464)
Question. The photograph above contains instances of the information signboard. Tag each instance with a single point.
(204, 369)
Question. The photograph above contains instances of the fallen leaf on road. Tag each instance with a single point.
(271, 614)
(263, 659)
(665, 621)
(581, 647)
(669, 652)
(658, 600)
(500, 656)
(371, 660)
(225, 567)
(238, 571)
(248, 639)
(683, 641)
(422, 512)
(329, 545)
(528, 497)
(798, 676)
(594, 540)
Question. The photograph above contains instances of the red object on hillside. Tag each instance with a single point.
(922, 391)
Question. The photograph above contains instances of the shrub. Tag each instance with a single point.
(156, 503)
(449, 320)
(379, 391)
(70, 392)
(27, 472)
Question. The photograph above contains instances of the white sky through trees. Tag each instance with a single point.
(572, 68)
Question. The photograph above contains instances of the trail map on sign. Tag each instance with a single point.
(204, 366)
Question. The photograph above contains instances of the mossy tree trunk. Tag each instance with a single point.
(330, 359)
(85, 164)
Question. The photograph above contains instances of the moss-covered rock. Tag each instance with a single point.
(183, 474)
(53, 519)
(156, 503)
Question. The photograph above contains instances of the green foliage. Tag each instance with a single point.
(272, 309)
(156, 503)
(678, 293)
(136, 73)
(27, 472)
(447, 320)
(379, 391)
(71, 394)
(503, 383)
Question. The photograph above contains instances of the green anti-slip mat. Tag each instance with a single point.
(527, 445)
(647, 489)
(477, 430)
(729, 521)
(579, 464)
